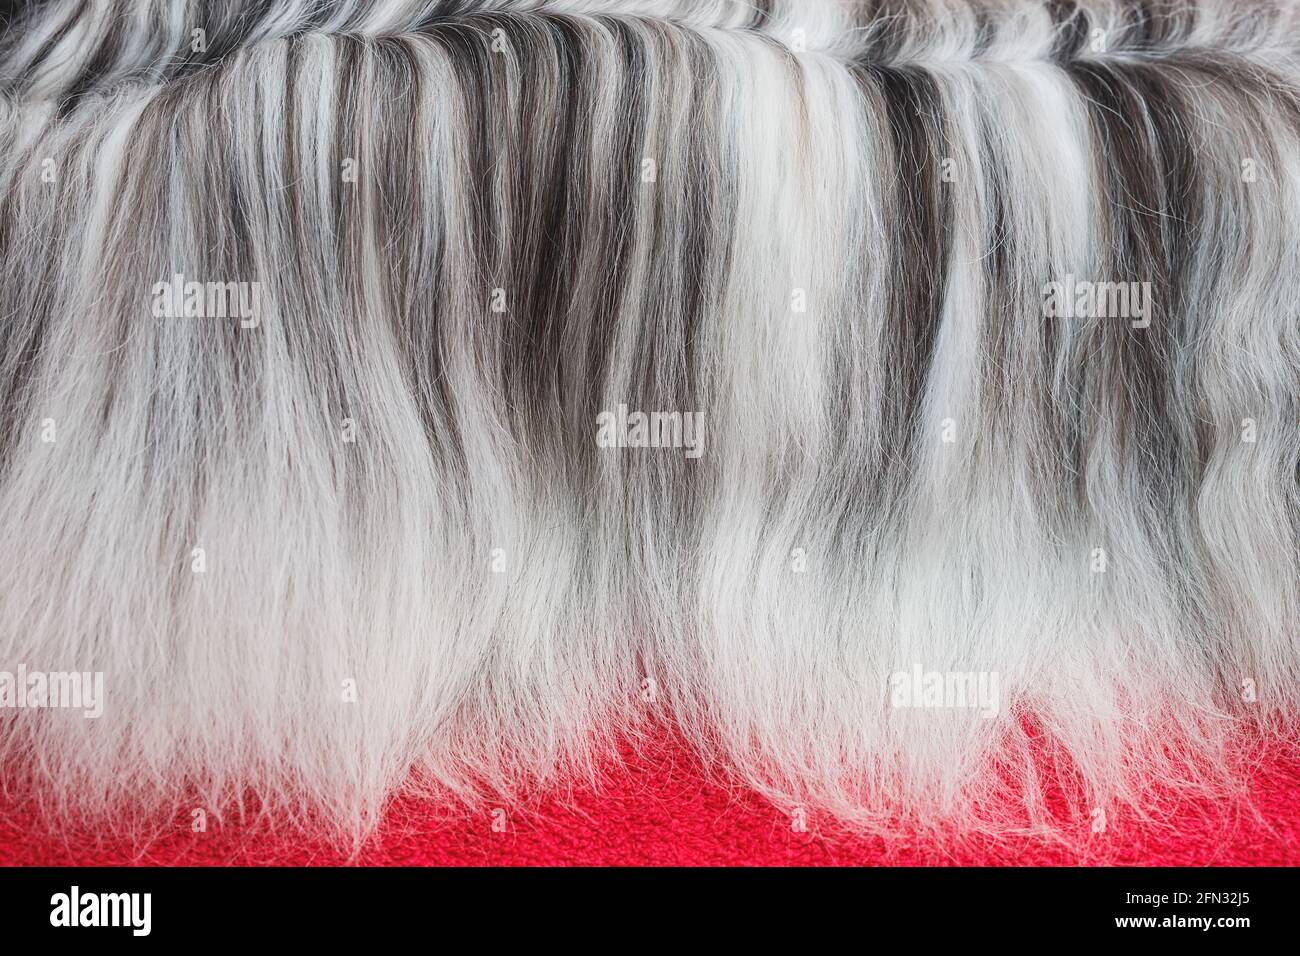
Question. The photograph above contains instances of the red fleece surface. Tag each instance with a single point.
(661, 810)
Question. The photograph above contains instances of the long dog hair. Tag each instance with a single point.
(788, 374)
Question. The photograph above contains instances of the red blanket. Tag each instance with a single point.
(661, 810)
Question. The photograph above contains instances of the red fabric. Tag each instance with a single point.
(661, 810)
